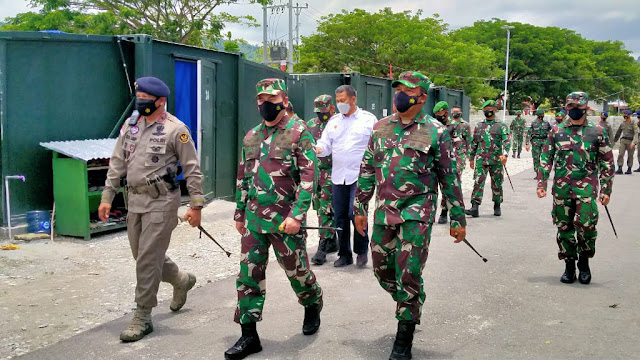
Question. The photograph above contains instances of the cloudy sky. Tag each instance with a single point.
(594, 19)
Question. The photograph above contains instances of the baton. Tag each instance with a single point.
(611, 221)
(334, 229)
(508, 177)
(202, 230)
(472, 248)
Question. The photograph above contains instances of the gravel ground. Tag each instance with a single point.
(53, 290)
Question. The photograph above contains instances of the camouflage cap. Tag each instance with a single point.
(489, 103)
(577, 97)
(518, 112)
(539, 112)
(270, 86)
(441, 105)
(323, 103)
(412, 79)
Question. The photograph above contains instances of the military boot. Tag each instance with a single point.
(183, 283)
(474, 210)
(619, 171)
(443, 217)
(140, 325)
(514, 155)
(585, 273)
(320, 256)
(518, 155)
(628, 171)
(249, 343)
(637, 170)
(496, 209)
(404, 341)
(311, 322)
(332, 245)
(569, 275)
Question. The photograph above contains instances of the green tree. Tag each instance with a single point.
(368, 42)
(190, 22)
(538, 54)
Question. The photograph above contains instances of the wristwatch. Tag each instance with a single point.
(196, 208)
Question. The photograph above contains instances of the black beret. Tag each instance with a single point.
(152, 86)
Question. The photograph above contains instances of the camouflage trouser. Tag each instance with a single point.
(573, 216)
(480, 175)
(461, 158)
(323, 204)
(517, 143)
(536, 152)
(625, 147)
(291, 253)
(399, 253)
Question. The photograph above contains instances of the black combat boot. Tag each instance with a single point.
(569, 275)
(249, 343)
(628, 171)
(404, 341)
(514, 155)
(496, 209)
(619, 171)
(474, 210)
(311, 322)
(637, 170)
(585, 273)
(320, 256)
(332, 244)
(443, 217)
(518, 155)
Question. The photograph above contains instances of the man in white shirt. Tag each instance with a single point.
(345, 138)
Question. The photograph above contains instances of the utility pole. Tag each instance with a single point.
(298, 10)
(506, 73)
(290, 60)
(265, 48)
(264, 35)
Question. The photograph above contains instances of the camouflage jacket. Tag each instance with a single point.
(316, 126)
(275, 175)
(580, 154)
(406, 163)
(538, 131)
(517, 126)
(490, 140)
(627, 131)
(462, 141)
(606, 126)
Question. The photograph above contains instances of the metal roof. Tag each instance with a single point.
(84, 150)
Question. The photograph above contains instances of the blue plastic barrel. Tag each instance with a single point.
(39, 221)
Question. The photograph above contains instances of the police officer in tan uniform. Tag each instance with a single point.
(146, 155)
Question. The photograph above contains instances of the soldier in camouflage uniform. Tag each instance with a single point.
(603, 123)
(293, 115)
(274, 190)
(626, 133)
(490, 143)
(461, 142)
(441, 113)
(408, 155)
(322, 199)
(582, 156)
(637, 145)
(560, 117)
(537, 134)
(517, 131)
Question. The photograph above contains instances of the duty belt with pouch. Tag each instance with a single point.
(154, 187)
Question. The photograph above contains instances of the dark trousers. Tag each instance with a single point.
(343, 211)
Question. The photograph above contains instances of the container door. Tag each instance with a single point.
(374, 99)
(207, 124)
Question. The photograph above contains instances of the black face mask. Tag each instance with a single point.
(577, 113)
(146, 107)
(270, 111)
(442, 118)
(457, 115)
(404, 102)
(323, 116)
(488, 113)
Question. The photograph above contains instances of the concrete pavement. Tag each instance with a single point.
(514, 306)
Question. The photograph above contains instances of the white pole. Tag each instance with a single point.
(506, 77)
(290, 36)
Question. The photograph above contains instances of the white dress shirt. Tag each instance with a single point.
(346, 139)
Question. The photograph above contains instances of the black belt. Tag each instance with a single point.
(628, 138)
